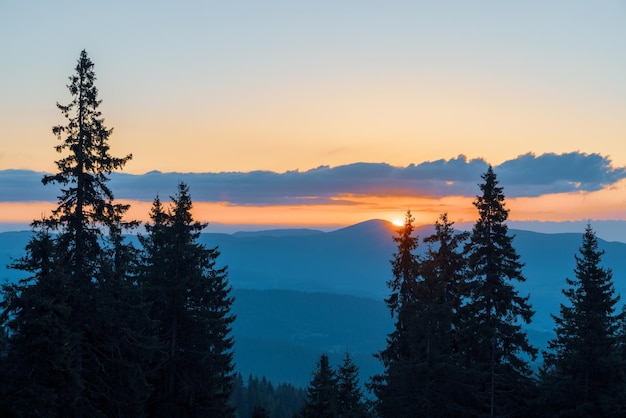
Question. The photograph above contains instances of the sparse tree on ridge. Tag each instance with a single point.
(583, 373)
(321, 394)
(496, 348)
(350, 403)
(191, 306)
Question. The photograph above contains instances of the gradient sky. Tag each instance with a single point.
(207, 86)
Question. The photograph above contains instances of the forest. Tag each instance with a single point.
(103, 328)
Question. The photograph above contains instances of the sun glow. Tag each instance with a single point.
(398, 222)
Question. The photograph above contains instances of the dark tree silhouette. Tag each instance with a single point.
(81, 364)
(583, 373)
(492, 337)
(439, 295)
(350, 402)
(191, 306)
(321, 394)
(423, 375)
(395, 388)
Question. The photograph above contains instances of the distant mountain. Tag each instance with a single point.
(300, 292)
(355, 261)
(278, 233)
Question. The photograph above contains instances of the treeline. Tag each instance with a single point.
(260, 398)
(101, 328)
(458, 347)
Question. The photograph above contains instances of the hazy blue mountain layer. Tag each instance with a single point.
(301, 292)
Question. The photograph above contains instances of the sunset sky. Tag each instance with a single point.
(268, 106)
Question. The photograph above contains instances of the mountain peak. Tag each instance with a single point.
(370, 227)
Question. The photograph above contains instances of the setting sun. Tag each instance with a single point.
(397, 222)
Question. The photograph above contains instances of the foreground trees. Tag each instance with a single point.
(440, 295)
(421, 376)
(458, 348)
(395, 388)
(77, 338)
(583, 374)
(321, 394)
(190, 305)
(63, 350)
(334, 394)
(495, 347)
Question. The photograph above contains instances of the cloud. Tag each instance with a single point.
(530, 175)
(525, 176)
(24, 186)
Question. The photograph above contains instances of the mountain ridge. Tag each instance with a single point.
(289, 286)
(355, 260)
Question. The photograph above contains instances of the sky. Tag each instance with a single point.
(328, 113)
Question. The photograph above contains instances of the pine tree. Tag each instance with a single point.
(422, 376)
(583, 374)
(86, 202)
(69, 258)
(350, 403)
(493, 340)
(439, 294)
(321, 399)
(395, 388)
(191, 305)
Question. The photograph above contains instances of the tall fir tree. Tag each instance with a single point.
(69, 257)
(422, 376)
(439, 294)
(583, 373)
(395, 388)
(191, 306)
(496, 348)
(321, 394)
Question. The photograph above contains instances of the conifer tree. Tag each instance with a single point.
(321, 394)
(395, 388)
(69, 254)
(492, 338)
(583, 373)
(350, 403)
(86, 203)
(424, 378)
(191, 306)
(439, 294)
(45, 379)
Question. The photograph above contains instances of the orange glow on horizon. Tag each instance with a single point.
(606, 204)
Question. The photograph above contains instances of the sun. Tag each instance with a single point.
(398, 222)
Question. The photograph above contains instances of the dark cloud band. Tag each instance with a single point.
(527, 175)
